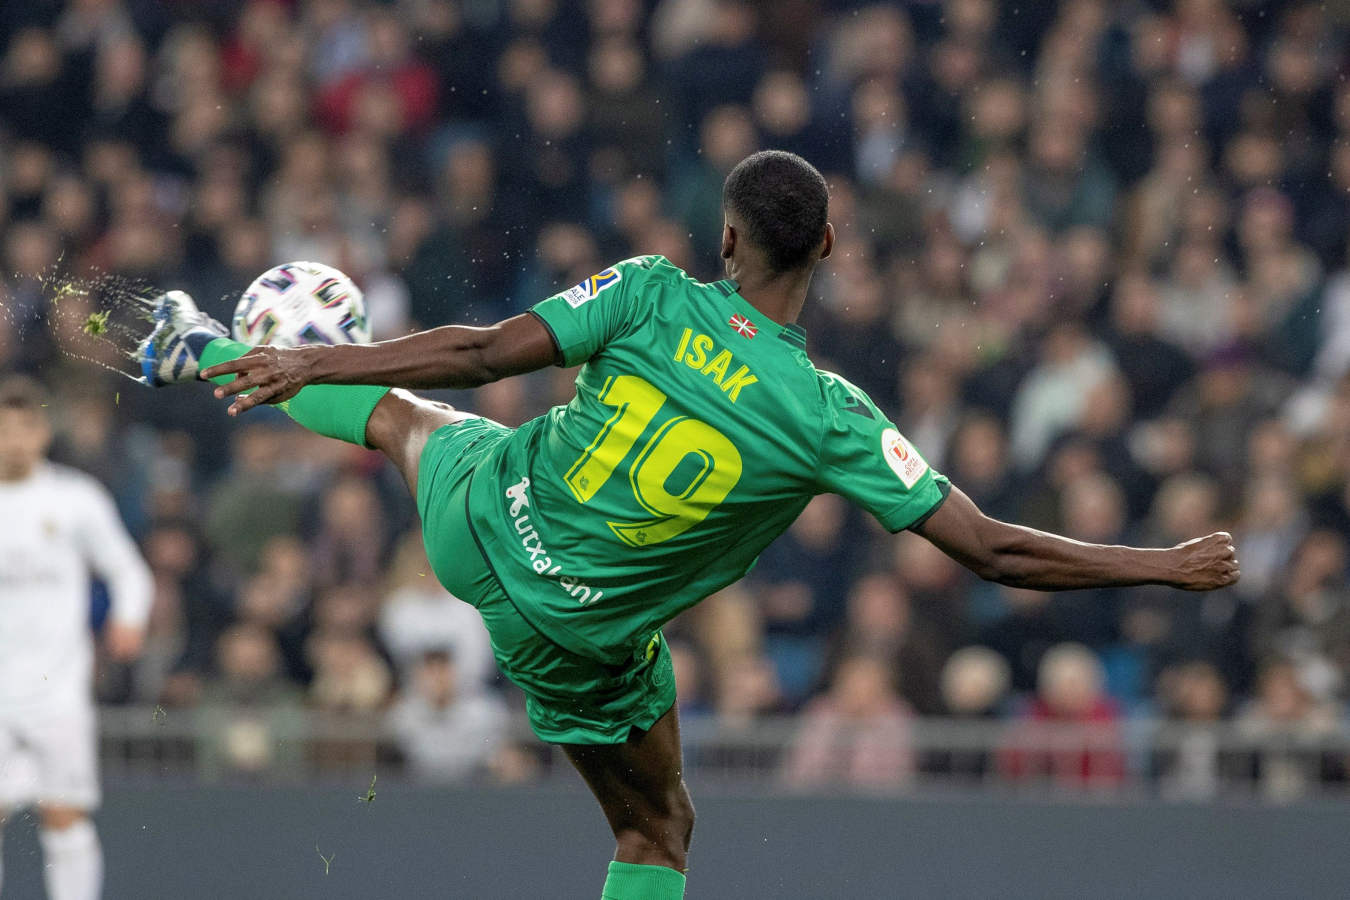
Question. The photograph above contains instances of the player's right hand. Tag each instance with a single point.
(1206, 563)
(269, 374)
(124, 642)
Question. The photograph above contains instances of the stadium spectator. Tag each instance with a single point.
(1194, 767)
(975, 682)
(881, 624)
(856, 734)
(349, 675)
(245, 711)
(1291, 703)
(801, 593)
(1306, 614)
(418, 615)
(447, 733)
(747, 689)
(1069, 691)
(1055, 394)
(185, 615)
(350, 543)
(253, 503)
(690, 691)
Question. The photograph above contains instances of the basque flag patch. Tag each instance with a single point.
(744, 327)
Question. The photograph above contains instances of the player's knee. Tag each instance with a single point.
(390, 421)
(660, 833)
(59, 818)
(683, 816)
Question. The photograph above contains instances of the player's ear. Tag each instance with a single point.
(828, 247)
(728, 240)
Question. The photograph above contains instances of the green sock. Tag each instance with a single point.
(334, 410)
(629, 881)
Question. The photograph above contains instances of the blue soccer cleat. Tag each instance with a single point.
(171, 352)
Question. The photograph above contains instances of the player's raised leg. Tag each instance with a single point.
(185, 341)
(401, 424)
(640, 786)
(396, 422)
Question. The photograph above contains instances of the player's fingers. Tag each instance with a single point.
(244, 403)
(246, 382)
(234, 387)
(273, 391)
(229, 367)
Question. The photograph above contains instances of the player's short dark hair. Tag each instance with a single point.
(22, 393)
(783, 203)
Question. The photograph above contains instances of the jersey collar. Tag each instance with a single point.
(792, 333)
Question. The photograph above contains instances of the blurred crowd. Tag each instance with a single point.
(1092, 258)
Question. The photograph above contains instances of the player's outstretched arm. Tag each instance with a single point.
(1027, 558)
(453, 356)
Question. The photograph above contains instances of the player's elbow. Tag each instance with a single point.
(981, 560)
(480, 371)
(1001, 559)
(987, 568)
(488, 357)
(475, 361)
(1010, 570)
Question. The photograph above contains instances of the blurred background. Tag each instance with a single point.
(1092, 259)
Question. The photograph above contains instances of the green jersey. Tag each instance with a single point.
(699, 431)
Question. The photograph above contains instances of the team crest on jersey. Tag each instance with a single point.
(591, 287)
(901, 456)
(744, 327)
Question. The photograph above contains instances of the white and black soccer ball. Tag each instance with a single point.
(300, 303)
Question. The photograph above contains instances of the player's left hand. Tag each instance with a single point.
(124, 642)
(1206, 563)
(270, 374)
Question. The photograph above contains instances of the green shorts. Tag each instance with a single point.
(570, 699)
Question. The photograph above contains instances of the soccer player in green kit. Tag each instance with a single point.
(699, 430)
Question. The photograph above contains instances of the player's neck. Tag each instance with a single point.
(16, 475)
(780, 297)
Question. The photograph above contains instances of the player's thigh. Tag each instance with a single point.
(400, 425)
(640, 783)
(18, 770)
(63, 747)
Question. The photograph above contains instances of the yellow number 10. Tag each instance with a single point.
(714, 470)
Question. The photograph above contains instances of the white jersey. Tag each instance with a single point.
(56, 527)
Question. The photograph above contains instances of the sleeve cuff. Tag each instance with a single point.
(559, 358)
(895, 520)
(944, 489)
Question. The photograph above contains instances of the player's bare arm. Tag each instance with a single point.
(453, 356)
(1024, 557)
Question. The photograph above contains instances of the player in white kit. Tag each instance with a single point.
(57, 525)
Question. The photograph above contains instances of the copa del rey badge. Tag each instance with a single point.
(901, 456)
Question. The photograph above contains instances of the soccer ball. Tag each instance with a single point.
(301, 303)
